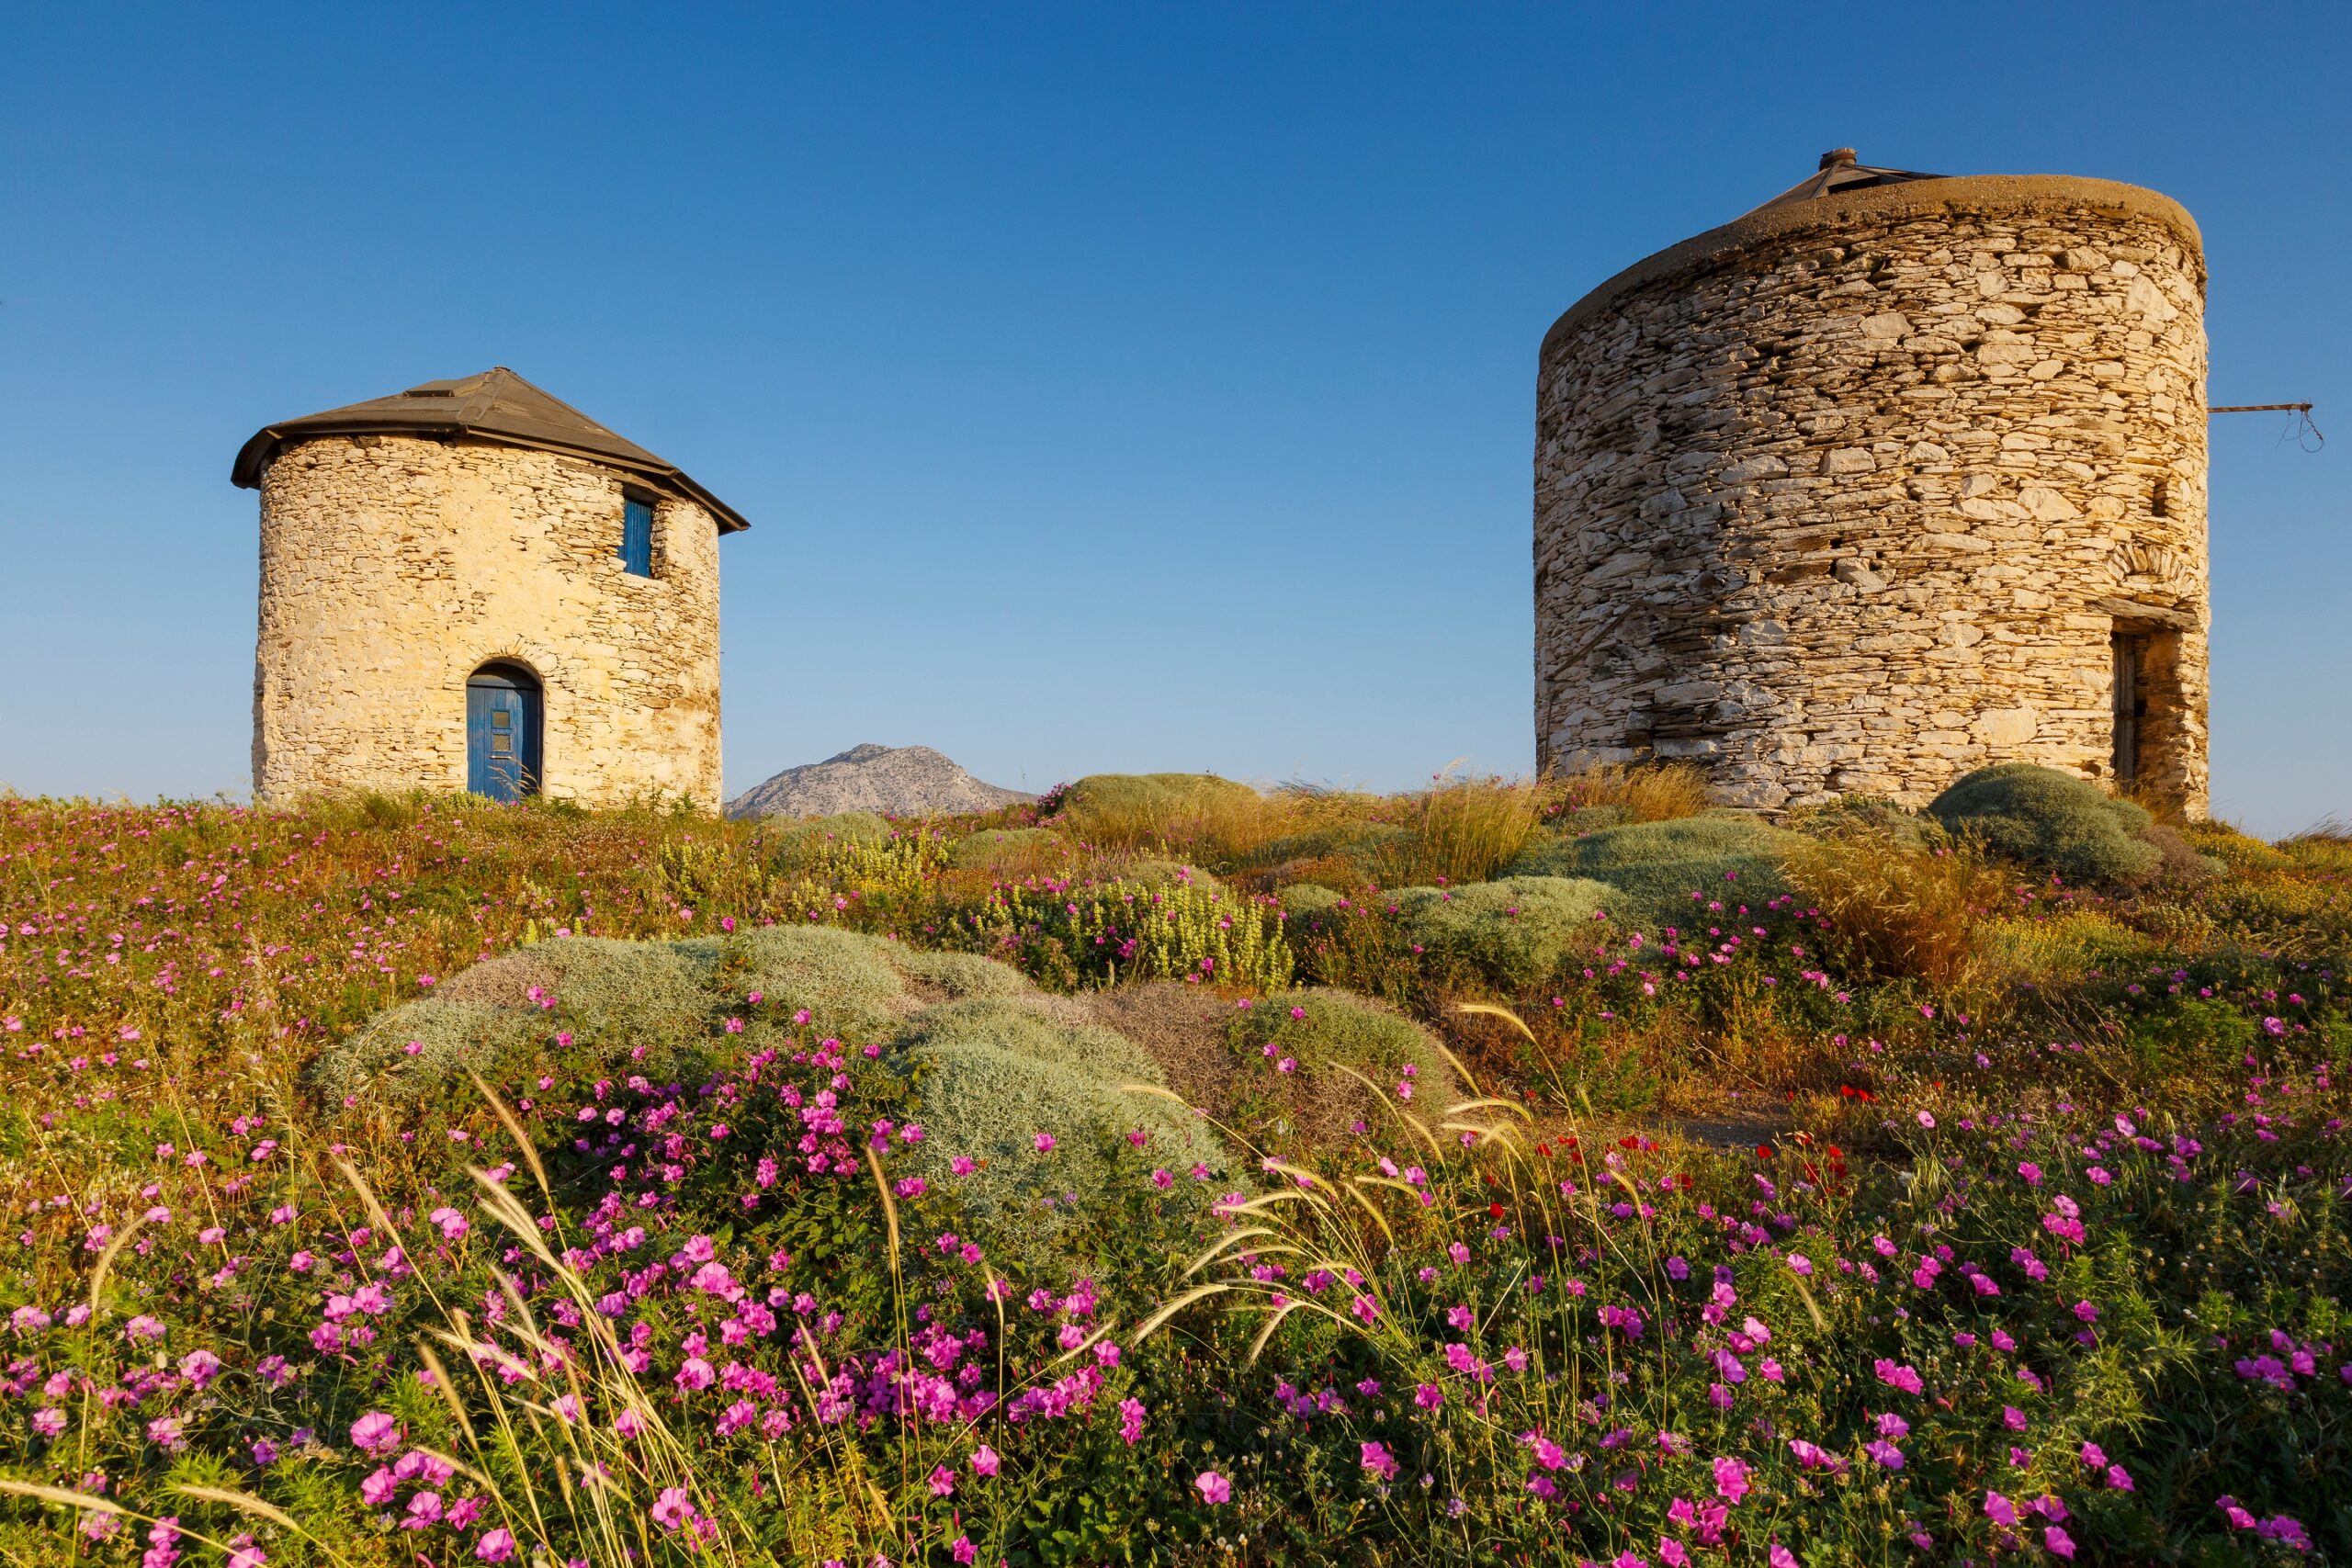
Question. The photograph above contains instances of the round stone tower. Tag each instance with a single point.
(472, 585)
(1894, 476)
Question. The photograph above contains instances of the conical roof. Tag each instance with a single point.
(494, 405)
(1840, 172)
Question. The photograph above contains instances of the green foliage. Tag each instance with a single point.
(1328, 1034)
(421, 1047)
(1658, 865)
(2058, 949)
(2121, 1113)
(1513, 933)
(2053, 822)
(2189, 1036)
(1302, 900)
(617, 1001)
(640, 1003)
(698, 872)
(368, 809)
(646, 993)
(991, 1076)
(849, 982)
(1030, 1028)
(808, 842)
(959, 974)
(1181, 932)
(1165, 874)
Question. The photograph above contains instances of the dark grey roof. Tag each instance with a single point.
(494, 405)
(1839, 173)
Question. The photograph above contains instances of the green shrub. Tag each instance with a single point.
(1351, 839)
(1514, 932)
(1164, 873)
(1311, 910)
(616, 1000)
(451, 1035)
(960, 973)
(1655, 866)
(1310, 899)
(990, 1076)
(2052, 821)
(1029, 1029)
(1631, 851)
(645, 993)
(996, 848)
(639, 1003)
(805, 844)
(851, 984)
(1324, 1032)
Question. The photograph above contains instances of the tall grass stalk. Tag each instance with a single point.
(1459, 830)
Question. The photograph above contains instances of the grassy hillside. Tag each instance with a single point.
(1167, 1172)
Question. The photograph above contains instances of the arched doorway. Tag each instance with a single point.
(503, 709)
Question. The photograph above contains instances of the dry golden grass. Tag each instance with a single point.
(1903, 912)
(1650, 792)
(1460, 831)
(1150, 810)
(1219, 827)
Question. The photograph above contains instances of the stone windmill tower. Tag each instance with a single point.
(1894, 476)
(472, 585)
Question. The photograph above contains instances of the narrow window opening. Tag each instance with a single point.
(637, 537)
(2160, 500)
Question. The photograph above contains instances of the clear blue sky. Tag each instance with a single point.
(1110, 387)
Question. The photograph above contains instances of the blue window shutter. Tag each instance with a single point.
(637, 537)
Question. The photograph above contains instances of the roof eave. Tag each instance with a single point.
(254, 457)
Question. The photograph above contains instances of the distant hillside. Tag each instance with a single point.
(897, 781)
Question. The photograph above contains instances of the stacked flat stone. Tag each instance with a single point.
(1855, 494)
(393, 567)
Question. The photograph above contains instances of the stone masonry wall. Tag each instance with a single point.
(393, 567)
(1853, 495)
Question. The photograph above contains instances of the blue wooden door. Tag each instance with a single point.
(501, 733)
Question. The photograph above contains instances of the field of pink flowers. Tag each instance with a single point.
(2047, 1262)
